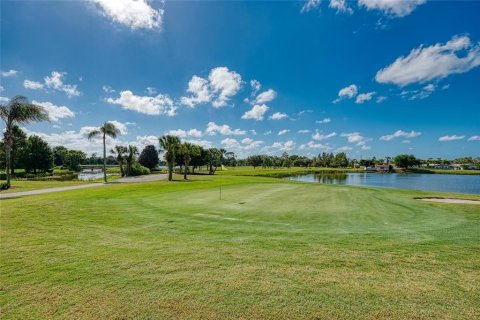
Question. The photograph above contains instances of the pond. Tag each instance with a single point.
(414, 181)
(87, 176)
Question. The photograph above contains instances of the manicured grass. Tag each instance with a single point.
(270, 249)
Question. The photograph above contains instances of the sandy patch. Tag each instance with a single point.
(451, 200)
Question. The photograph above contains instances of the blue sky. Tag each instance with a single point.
(368, 77)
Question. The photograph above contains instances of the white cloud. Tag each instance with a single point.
(199, 87)
(225, 83)
(423, 93)
(4, 99)
(284, 146)
(222, 84)
(340, 6)
(434, 62)
(256, 85)
(266, 96)
(202, 143)
(55, 82)
(240, 147)
(354, 137)
(347, 93)
(33, 85)
(266, 133)
(394, 8)
(256, 113)
(362, 97)
(451, 138)
(474, 138)
(213, 129)
(326, 120)
(151, 91)
(319, 137)
(304, 131)
(2, 88)
(314, 145)
(310, 5)
(147, 140)
(55, 113)
(183, 133)
(160, 104)
(278, 116)
(400, 134)
(284, 131)
(9, 73)
(135, 14)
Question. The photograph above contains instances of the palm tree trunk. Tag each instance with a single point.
(104, 160)
(170, 169)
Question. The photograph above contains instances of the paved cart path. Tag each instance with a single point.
(147, 178)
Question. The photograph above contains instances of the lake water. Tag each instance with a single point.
(414, 181)
(87, 176)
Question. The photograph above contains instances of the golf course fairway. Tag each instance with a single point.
(268, 249)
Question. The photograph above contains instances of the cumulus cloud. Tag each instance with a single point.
(451, 138)
(266, 96)
(319, 136)
(107, 89)
(33, 85)
(134, 14)
(158, 105)
(147, 140)
(278, 116)
(256, 113)
(9, 73)
(474, 138)
(343, 149)
(400, 134)
(347, 93)
(435, 62)
(55, 113)
(357, 139)
(256, 85)
(304, 131)
(284, 131)
(314, 145)
(225, 130)
(284, 146)
(394, 8)
(422, 93)
(362, 97)
(221, 85)
(186, 133)
(122, 126)
(240, 147)
(55, 82)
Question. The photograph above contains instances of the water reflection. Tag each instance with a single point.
(415, 181)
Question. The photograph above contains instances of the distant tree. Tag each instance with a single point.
(60, 154)
(406, 161)
(214, 157)
(341, 160)
(120, 151)
(17, 111)
(106, 130)
(170, 145)
(74, 159)
(149, 157)
(37, 155)
(187, 151)
(198, 160)
(19, 142)
(254, 161)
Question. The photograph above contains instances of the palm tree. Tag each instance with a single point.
(18, 111)
(187, 151)
(170, 145)
(120, 152)
(132, 151)
(107, 129)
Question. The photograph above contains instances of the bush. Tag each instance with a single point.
(138, 170)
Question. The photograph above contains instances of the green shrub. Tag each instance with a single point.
(138, 170)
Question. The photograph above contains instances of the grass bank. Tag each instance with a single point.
(270, 249)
